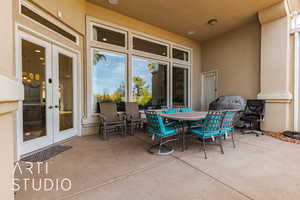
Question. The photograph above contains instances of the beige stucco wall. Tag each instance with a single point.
(6, 108)
(276, 71)
(236, 57)
(73, 11)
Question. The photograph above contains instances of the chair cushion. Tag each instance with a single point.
(227, 130)
(199, 131)
(170, 111)
(185, 110)
(169, 132)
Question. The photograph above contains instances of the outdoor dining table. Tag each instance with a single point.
(182, 117)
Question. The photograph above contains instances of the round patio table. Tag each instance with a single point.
(185, 117)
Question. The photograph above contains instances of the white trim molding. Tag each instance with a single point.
(296, 81)
(11, 90)
(276, 97)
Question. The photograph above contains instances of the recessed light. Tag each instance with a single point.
(212, 22)
(37, 51)
(104, 39)
(114, 2)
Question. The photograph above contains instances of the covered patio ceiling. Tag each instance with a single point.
(189, 18)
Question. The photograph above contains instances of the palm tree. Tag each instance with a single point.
(98, 57)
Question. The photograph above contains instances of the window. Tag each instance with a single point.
(150, 47)
(109, 36)
(38, 18)
(108, 78)
(180, 54)
(157, 74)
(180, 86)
(149, 83)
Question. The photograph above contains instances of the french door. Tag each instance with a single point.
(48, 113)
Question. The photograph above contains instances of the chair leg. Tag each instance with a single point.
(220, 143)
(105, 136)
(131, 127)
(125, 129)
(232, 138)
(203, 147)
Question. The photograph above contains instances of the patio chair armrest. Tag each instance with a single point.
(122, 116)
(102, 117)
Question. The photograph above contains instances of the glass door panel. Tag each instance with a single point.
(180, 86)
(65, 92)
(33, 78)
(64, 78)
(35, 111)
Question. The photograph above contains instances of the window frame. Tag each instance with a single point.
(147, 54)
(107, 45)
(178, 61)
(91, 73)
(188, 86)
(130, 54)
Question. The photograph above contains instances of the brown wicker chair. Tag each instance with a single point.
(133, 116)
(111, 120)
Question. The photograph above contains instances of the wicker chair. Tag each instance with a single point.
(133, 116)
(111, 120)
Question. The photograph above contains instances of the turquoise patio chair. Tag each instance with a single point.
(160, 132)
(211, 127)
(227, 126)
(170, 122)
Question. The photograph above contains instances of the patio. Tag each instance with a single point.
(121, 168)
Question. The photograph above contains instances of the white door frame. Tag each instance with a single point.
(203, 74)
(62, 135)
(39, 143)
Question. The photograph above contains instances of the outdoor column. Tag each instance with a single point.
(275, 67)
(9, 97)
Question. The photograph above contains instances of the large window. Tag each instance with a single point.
(128, 66)
(149, 83)
(108, 78)
(180, 86)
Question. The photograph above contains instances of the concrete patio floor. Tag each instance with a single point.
(258, 168)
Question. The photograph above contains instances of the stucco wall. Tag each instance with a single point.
(236, 57)
(6, 108)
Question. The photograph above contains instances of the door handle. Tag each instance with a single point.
(56, 106)
(50, 107)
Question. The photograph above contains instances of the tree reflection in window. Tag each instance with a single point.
(149, 83)
(108, 78)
